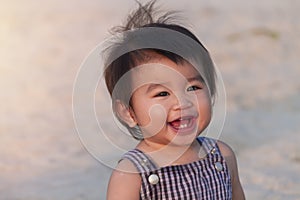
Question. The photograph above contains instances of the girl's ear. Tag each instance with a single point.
(125, 113)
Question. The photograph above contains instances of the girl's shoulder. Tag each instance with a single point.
(229, 155)
(225, 149)
(230, 158)
(139, 160)
(124, 182)
(210, 144)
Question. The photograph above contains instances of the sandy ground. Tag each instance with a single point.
(255, 44)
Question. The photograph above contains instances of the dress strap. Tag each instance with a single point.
(144, 163)
(209, 145)
(141, 161)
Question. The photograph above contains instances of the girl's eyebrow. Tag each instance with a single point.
(196, 78)
(153, 86)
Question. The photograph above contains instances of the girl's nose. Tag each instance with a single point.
(182, 102)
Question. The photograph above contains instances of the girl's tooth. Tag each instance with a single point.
(183, 126)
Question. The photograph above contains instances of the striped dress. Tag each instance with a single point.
(208, 178)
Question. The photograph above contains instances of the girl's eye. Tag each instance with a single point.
(162, 94)
(193, 88)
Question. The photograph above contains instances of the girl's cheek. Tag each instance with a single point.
(205, 106)
(156, 120)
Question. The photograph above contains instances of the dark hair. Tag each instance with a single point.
(144, 17)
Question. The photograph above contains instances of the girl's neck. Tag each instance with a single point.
(170, 154)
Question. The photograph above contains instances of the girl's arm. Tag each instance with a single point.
(124, 182)
(228, 154)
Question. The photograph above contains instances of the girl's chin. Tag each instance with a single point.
(182, 141)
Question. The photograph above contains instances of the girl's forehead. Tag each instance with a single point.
(161, 65)
(162, 72)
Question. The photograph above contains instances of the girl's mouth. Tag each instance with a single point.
(184, 124)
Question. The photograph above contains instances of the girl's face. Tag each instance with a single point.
(170, 102)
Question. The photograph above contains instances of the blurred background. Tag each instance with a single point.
(255, 45)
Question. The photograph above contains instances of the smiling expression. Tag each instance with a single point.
(170, 102)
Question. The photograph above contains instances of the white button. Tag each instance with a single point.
(144, 162)
(218, 166)
(153, 179)
(213, 151)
